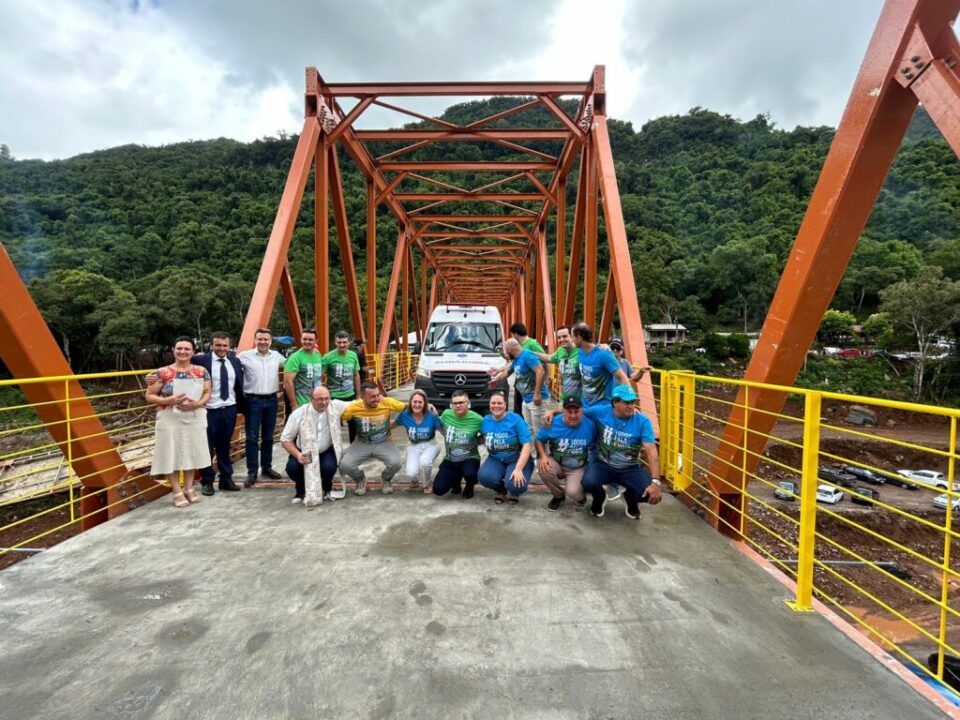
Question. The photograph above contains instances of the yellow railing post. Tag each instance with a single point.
(66, 400)
(744, 499)
(684, 419)
(808, 503)
(666, 436)
(945, 573)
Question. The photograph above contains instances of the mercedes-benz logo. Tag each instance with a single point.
(460, 379)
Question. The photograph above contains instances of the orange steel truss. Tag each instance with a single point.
(481, 232)
(911, 58)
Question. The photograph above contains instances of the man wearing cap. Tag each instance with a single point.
(562, 452)
(622, 434)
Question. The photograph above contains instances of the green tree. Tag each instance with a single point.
(836, 324)
(926, 307)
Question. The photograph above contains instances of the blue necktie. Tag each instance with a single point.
(224, 380)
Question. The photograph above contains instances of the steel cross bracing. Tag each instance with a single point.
(473, 232)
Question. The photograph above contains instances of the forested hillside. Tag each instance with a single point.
(128, 247)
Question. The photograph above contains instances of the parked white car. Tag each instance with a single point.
(941, 501)
(829, 494)
(930, 477)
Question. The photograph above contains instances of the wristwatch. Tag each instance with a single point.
(656, 481)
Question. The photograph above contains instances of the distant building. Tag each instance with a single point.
(664, 333)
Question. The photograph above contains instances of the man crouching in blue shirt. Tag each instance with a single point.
(507, 437)
(622, 433)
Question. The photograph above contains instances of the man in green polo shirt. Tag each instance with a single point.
(303, 370)
(341, 366)
(567, 360)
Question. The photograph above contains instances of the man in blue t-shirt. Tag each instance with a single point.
(562, 453)
(622, 434)
(530, 382)
(599, 368)
(507, 469)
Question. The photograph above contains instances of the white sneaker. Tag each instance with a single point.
(614, 493)
(361, 488)
(296, 501)
(326, 497)
(387, 487)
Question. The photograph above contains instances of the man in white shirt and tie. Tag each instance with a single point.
(261, 383)
(225, 401)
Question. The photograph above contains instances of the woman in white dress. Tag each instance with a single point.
(180, 392)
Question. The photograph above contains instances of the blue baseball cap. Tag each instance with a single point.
(625, 393)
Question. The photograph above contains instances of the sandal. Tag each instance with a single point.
(180, 500)
(513, 500)
(428, 489)
(191, 495)
(499, 499)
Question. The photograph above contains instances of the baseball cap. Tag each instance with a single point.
(616, 341)
(573, 401)
(625, 393)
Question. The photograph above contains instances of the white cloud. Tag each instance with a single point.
(77, 75)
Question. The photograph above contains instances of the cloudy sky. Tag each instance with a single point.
(79, 75)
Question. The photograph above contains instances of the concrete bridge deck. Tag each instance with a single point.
(406, 606)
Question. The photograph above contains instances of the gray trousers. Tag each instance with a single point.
(358, 452)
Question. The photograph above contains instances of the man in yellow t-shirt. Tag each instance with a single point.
(372, 415)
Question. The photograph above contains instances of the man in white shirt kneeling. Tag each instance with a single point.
(312, 437)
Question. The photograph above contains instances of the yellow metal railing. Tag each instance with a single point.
(889, 565)
(39, 485)
(393, 369)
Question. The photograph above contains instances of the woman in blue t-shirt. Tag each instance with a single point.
(422, 450)
(507, 470)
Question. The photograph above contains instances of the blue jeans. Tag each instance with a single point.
(635, 479)
(495, 475)
(452, 473)
(261, 421)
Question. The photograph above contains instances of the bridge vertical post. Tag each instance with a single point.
(576, 246)
(806, 539)
(549, 328)
(404, 301)
(321, 214)
(591, 228)
(561, 248)
(371, 261)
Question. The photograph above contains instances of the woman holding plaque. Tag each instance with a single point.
(180, 392)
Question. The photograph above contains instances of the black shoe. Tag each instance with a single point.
(633, 510)
(555, 503)
(250, 481)
(229, 485)
(468, 491)
(207, 489)
(456, 490)
(271, 473)
(599, 500)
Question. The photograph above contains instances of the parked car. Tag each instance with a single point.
(864, 495)
(929, 477)
(786, 490)
(900, 481)
(941, 501)
(837, 477)
(863, 474)
(849, 352)
(829, 494)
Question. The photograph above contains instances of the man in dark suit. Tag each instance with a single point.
(226, 400)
